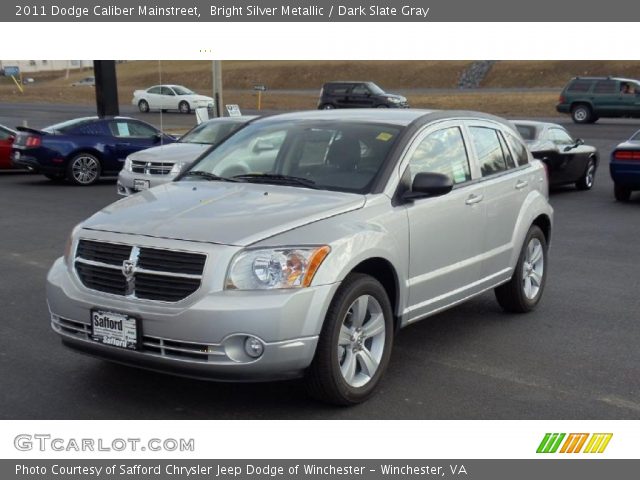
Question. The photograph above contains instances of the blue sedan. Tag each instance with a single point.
(625, 168)
(83, 149)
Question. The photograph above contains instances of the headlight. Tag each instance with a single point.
(177, 168)
(265, 269)
(395, 100)
(127, 165)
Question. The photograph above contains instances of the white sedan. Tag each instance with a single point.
(170, 97)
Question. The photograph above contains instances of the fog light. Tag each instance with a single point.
(253, 347)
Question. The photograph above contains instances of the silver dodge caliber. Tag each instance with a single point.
(302, 243)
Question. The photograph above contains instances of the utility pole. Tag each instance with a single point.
(218, 110)
(106, 87)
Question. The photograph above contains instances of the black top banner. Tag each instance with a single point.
(319, 11)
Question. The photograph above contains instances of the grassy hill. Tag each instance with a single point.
(278, 75)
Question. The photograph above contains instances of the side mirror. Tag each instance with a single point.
(156, 137)
(579, 142)
(428, 184)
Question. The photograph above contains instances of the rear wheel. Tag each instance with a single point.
(622, 194)
(143, 106)
(586, 181)
(581, 113)
(523, 292)
(355, 343)
(83, 169)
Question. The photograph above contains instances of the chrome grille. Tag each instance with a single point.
(151, 168)
(139, 272)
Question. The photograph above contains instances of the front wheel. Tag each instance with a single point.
(327, 106)
(143, 106)
(355, 343)
(523, 292)
(586, 181)
(184, 107)
(83, 169)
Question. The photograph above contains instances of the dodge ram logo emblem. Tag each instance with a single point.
(128, 269)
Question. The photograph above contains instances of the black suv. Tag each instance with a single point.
(589, 98)
(358, 95)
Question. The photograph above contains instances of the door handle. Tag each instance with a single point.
(473, 199)
(521, 184)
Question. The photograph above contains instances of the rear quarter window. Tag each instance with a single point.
(579, 86)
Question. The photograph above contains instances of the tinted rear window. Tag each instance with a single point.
(580, 86)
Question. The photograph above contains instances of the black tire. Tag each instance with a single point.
(588, 177)
(54, 177)
(324, 378)
(184, 107)
(382, 105)
(143, 106)
(622, 193)
(582, 113)
(327, 106)
(511, 296)
(84, 169)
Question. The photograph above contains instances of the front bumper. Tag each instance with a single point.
(127, 181)
(201, 336)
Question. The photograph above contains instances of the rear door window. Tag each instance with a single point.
(489, 150)
(606, 87)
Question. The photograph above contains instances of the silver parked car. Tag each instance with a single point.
(301, 244)
(158, 165)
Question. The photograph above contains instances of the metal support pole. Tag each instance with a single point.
(106, 88)
(217, 88)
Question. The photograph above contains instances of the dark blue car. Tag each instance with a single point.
(625, 168)
(83, 149)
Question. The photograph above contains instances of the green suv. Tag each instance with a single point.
(589, 98)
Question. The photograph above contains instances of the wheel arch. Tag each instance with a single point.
(383, 271)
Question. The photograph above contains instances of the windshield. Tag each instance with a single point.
(182, 90)
(64, 127)
(635, 137)
(375, 89)
(528, 132)
(210, 133)
(342, 156)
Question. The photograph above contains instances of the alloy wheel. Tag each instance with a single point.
(533, 269)
(361, 341)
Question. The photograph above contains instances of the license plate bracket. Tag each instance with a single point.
(139, 184)
(115, 329)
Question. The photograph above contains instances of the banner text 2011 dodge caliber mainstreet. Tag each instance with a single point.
(301, 244)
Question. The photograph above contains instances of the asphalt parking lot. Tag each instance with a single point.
(577, 356)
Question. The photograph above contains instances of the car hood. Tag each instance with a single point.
(220, 212)
(171, 153)
(393, 95)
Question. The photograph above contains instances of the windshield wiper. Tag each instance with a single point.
(276, 178)
(208, 176)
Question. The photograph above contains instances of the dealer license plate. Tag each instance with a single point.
(139, 185)
(115, 329)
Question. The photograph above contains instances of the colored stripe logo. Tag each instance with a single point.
(574, 443)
